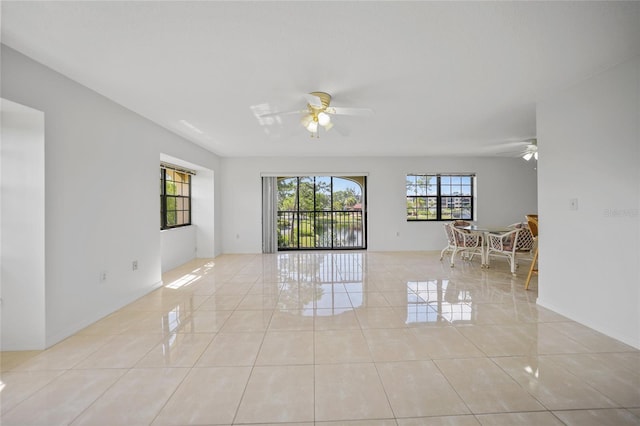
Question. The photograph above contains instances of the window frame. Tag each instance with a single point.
(437, 200)
(164, 197)
(316, 213)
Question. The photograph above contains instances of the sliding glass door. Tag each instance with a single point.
(321, 212)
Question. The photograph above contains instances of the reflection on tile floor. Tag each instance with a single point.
(328, 338)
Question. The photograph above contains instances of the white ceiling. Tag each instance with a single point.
(444, 78)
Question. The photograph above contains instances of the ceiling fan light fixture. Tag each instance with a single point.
(312, 126)
(527, 156)
(308, 119)
(324, 119)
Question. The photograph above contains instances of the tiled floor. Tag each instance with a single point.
(342, 338)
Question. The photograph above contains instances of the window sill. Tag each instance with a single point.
(177, 228)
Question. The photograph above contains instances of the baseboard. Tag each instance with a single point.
(633, 342)
(59, 336)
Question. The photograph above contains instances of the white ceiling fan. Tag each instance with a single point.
(523, 148)
(319, 111)
(531, 151)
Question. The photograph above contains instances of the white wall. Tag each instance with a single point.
(101, 194)
(506, 191)
(589, 141)
(203, 204)
(22, 303)
(177, 246)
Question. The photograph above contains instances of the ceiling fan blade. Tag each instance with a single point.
(273, 114)
(343, 130)
(350, 111)
(512, 147)
(313, 100)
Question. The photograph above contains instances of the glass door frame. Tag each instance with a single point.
(294, 217)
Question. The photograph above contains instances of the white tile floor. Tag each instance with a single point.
(329, 338)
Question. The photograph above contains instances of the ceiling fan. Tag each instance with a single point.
(319, 111)
(531, 151)
(523, 148)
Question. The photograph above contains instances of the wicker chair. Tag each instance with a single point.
(526, 240)
(459, 241)
(503, 245)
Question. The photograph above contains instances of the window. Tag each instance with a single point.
(439, 197)
(175, 197)
(321, 212)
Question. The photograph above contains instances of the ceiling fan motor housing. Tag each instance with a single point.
(325, 98)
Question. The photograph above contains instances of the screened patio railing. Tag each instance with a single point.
(320, 230)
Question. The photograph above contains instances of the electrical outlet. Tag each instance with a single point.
(103, 276)
(134, 265)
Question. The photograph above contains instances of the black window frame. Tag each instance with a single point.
(320, 213)
(165, 197)
(438, 201)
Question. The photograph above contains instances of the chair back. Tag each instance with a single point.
(503, 242)
(525, 237)
(532, 221)
(451, 238)
(465, 238)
